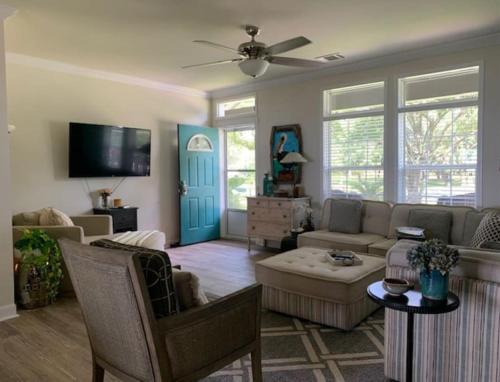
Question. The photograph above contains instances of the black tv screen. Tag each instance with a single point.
(104, 151)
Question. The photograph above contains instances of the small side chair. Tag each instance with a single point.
(130, 343)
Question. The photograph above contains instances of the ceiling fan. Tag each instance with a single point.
(255, 57)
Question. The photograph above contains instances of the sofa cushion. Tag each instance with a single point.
(472, 221)
(157, 274)
(325, 239)
(375, 216)
(52, 216)
(488, 230)
(401, 212)
(437, 224)
(381, 247)
(475, 263)
(345, 216)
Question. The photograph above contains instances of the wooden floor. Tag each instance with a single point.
(50, 344)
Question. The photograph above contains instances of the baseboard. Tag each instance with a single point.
(7, 312)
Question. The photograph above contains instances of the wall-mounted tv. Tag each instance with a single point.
(105, 151)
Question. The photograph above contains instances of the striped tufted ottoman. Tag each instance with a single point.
(304, 284)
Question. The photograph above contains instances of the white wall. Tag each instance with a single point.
(41, 103)
(7, 307)
(300, 101)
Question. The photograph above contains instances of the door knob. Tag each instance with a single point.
(183, 188)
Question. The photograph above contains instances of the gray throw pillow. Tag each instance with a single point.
(437, 224)
(488, 230)
(345, 216)
(472, 221)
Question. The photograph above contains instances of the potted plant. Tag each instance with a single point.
(39, 271)
(433, 259)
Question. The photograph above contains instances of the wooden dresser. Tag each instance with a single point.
(271, 218)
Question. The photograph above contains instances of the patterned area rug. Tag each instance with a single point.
(296, 350)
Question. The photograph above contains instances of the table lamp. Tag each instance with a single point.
(292, 160)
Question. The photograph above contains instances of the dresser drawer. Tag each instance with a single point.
(258, 213)
(257, 202)
(280, 204)
(279, 215)
(268, 229)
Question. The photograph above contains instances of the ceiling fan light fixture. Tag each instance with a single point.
(255, 67)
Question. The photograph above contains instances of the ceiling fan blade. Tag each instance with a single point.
(287, 45)
(213, 63)
(218, 46)
(289, 61)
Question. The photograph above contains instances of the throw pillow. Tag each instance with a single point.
(437, 224)
(52, 216)
(157, 272)
(488, 230)
(471, 222)
(26, 219)
(345, 216)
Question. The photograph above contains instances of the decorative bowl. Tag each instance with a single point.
(396, 287)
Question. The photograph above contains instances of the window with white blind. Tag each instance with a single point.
(438, 137)
(236, 108)
(353, 129)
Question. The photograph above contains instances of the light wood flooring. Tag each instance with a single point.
(50, 344)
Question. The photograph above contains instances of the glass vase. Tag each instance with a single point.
(434, 285)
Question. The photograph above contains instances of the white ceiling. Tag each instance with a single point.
(152, 38)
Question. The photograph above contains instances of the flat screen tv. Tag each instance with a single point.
(105, 151)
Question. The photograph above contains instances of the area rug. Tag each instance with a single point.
(296, 350)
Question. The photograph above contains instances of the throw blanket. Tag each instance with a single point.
(136, 238)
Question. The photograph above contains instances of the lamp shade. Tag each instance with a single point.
(293, 157)
(254, 67)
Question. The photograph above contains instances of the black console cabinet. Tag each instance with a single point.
(124, 219)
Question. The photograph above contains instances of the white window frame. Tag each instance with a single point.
(240, 118)
(401, 109)
(326, 176)
(227, 171)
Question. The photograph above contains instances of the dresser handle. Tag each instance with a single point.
(253, 212)
(253, 227)
(257, 203)
(284, 216)
(284, 231)
(279, 204)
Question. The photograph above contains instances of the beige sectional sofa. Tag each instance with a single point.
(379, 223)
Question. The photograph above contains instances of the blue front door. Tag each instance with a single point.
(198, 184)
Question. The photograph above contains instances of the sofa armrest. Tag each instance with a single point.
(54, 231)
(200, 338)
(474, 263)
(94, 225)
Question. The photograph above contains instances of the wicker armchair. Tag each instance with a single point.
(128, 342)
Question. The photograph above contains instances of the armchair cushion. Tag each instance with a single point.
(26, 219)
(157, 273)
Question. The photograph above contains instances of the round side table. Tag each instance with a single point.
(411, 302)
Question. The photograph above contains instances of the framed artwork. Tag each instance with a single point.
(285, 139)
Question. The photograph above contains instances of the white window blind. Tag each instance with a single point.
(438, 137)
(353, 129)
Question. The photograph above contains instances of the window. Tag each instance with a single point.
(438, 137)
(236, 108)
(240, 166)
(353, 129)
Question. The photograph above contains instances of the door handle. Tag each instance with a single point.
(183, 188)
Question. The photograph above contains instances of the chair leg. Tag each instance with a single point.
(97, 372)
(257, 365)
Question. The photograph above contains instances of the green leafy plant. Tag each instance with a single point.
(40, 251)
(432, 255)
